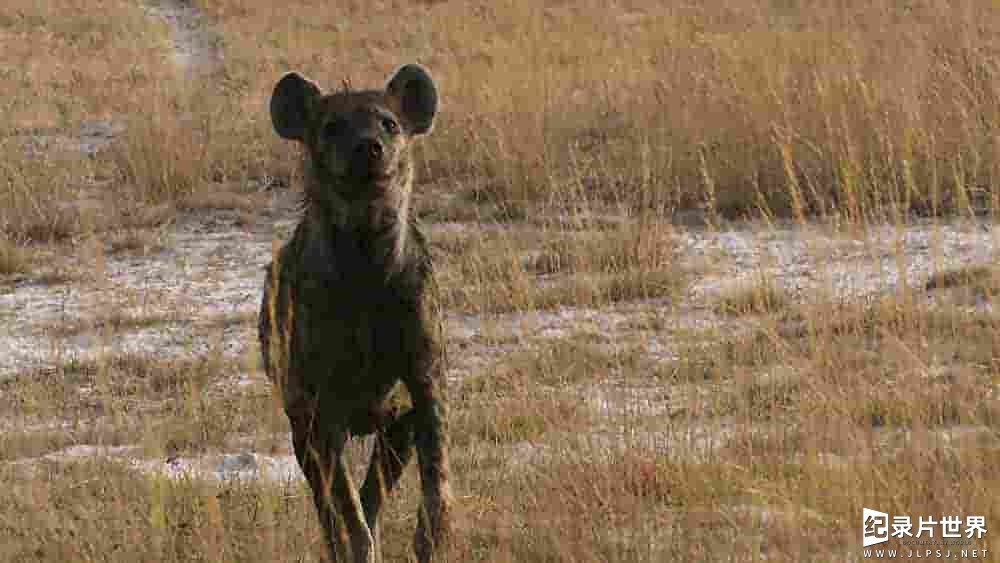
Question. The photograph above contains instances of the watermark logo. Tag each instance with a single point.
(876, 527)
(947, 537)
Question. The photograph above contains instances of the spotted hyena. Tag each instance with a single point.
(346, 313)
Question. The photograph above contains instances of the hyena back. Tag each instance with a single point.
(346, 311)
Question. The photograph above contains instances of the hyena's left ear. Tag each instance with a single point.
(414, 88)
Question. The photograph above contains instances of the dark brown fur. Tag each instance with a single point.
(346, 315)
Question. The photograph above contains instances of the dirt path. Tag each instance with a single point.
(197, 49)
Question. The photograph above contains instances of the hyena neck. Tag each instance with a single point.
(381, 224)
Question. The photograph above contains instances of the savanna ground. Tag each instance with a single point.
(716, 277)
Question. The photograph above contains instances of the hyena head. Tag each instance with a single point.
(357, 142)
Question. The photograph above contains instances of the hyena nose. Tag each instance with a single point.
(370, 149)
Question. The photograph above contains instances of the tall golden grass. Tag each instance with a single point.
(856, 109)
(859, 109)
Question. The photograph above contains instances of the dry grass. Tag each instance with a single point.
(812, 407)
(68, 63)
(763, 297)
(507, 270)
(13, 258)
(116, 321)
(126, 516)
(570, 133)
(134, 241)
(788, 108)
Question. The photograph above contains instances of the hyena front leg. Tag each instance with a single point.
(393, 451)
(431, 445)
(320, 454)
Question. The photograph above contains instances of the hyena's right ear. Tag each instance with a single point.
(290, 103)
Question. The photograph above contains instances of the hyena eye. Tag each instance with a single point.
(333, 128)
(390, 126)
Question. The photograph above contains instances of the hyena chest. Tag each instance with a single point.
(358, 325)
(358, 334)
